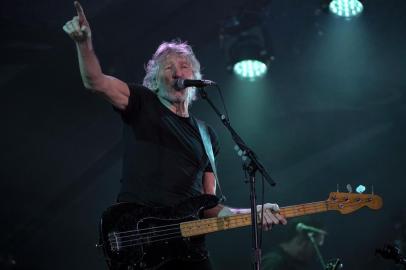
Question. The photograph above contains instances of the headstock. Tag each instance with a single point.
(350, 202)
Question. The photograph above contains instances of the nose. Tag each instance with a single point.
(177, 73)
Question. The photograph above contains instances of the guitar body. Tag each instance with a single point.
(140, 237)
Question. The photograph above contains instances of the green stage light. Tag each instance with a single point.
(250, 69)
(248, 55)
(246, 43)
(346, 8)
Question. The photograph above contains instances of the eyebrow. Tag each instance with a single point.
(182, 62)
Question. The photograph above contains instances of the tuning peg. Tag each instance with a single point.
(349, 188)
(372, 190)
(360, 189)
(338, 188)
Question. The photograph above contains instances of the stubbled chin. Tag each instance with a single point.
(179, 99)
(176, 96)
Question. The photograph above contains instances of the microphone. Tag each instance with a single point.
(181, 84)
(303, 227)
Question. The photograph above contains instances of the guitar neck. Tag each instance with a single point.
(210, 225)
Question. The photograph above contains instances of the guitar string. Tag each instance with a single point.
(160, 240)
(130, 231)
(157, 233)
(146, 229)
(176, 227)
(236, 218)
(162, 235)
(142, 242)
(148, 239)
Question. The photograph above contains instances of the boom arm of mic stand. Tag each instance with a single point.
(238, 140)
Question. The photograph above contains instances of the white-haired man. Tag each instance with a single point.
(164, 161)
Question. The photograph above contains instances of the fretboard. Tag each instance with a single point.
(210, 225)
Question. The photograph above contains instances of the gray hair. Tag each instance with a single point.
(165, 49)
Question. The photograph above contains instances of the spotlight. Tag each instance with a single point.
(245, 42)
(346, 8)
(250, 69)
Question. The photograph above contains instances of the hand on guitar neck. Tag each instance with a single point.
(270, 213)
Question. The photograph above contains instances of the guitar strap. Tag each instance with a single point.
(208, 147)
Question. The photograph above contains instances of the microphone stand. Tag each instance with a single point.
(251, 166)
(316, 248)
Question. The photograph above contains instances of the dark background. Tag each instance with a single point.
(331, 110)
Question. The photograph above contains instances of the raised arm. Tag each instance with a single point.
(111, 88)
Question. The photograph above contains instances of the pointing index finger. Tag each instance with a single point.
(80, 11)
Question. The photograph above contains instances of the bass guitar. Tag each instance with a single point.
(140, 237)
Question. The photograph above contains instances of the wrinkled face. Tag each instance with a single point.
(173, 67)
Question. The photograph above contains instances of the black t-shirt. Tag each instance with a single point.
(164, 157)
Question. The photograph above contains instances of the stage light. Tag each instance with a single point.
(346, 8)
(250, 69)
(245, 42)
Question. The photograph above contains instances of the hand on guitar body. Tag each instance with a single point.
(270, 211)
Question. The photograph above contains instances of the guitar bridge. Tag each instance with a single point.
(115, 243)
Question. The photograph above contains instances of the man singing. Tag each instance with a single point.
(164, 161)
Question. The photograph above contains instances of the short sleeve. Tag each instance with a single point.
(135, 101)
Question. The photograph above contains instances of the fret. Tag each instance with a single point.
(210, 225)
(304, 209)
